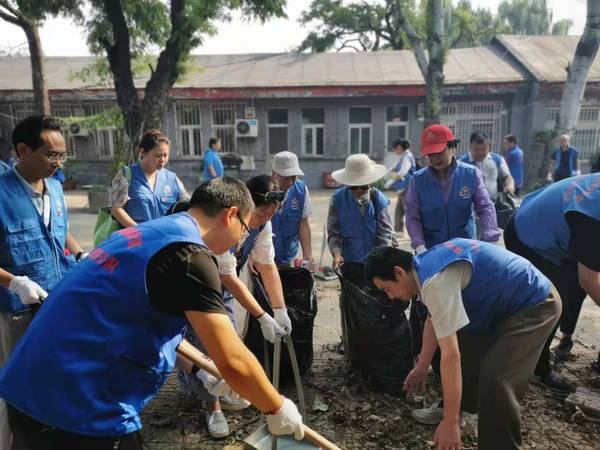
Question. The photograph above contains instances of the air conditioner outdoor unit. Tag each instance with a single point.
(246, 128)
(77, 130)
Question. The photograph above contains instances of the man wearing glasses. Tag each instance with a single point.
(358, 218)
(34, 232)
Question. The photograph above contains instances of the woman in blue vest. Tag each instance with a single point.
(146, 190)
(441, 197)
(403, 171)
(105, 341)
(557, 229)
(257, 244)
(490, 312)
(358, 217)
(565, 160)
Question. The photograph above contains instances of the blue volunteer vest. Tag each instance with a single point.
(27, 247)
(97, 351)
(358, 231)
(145, 204)
(443, 221)
(4, 167)
(501, 285)
(540, 221)
(572, 165)
(242, 254)
(403, 184)
(286, 224)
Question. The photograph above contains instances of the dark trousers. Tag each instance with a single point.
(575, 295)
(496, 372)
(29, 434)
(560, 276)
(399, 213)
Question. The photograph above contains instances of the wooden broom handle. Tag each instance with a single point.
(190, 352)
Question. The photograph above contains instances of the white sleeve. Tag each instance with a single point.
(227, 263)
(443, 298)
(405, 166)
(264, 252)
(307, 210)
(503, 169)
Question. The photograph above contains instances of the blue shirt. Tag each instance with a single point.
(212, 158)
(514, 159)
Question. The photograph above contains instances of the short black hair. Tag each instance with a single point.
(215, 195)
(381, 261)
(212, 141)
(152, 138)
(404, 143)
(511, 138)
(479, 137)
(29, 130)
(260, 185)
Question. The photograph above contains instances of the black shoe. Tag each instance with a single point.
(563, 349)
(596, 364)
(341, 348)
(554, 382)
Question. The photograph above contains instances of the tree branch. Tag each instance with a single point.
(414, 39)
(14, 19)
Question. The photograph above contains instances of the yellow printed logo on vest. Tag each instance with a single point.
(167, 190)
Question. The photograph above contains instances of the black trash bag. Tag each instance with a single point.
(379, 341)
(300, 295)
(505, 206)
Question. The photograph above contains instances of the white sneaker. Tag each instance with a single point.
(217, 424)
(433, 414)
(235, 405)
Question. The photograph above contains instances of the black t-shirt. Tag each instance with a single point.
(184, 277)
(584, 245)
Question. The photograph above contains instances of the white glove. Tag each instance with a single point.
(270, 329)
(287, 420)
(577, 172)
(219, 388)
(420, 249)
(83, 256)
(283, 320)
(28, 291)
(388, 183)
(550, 178)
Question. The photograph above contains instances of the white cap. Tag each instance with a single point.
(359, 170)
(286, 164)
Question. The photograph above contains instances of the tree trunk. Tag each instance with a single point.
(41, 100)
(578, 70)
(435, 68)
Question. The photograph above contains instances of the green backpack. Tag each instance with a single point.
(106, 224)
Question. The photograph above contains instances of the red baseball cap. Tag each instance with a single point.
(435, 139)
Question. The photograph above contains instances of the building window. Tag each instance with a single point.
(360, 130)
(223, 118)
(396, 125)
(189, 129)
(106, 138)
(466, 118)
(277, 130)
(586, 136)
(313, 131)
(64, 111)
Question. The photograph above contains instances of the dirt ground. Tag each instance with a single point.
(341, 409)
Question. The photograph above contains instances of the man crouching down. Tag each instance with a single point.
(490, 311)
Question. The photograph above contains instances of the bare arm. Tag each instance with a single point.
(272, 282)
(429, 345)
(241, 293)
(73, 245)
(5, 277)
(212, 171)
(238, 366)
(447, 434)
(305, 238)
(122, 217)
(509, 184)
(589, 280)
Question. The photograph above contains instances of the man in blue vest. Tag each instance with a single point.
(105, 340)
(565, 160)
(514, 159)
(34, 236)
(490, 312)
(291, 226)
(213, 166)
(557, 229)
(358, 217)
(441, 197)
(403, 172)
(258, 241)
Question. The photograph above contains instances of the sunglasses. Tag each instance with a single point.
(273, 196)
(359, 188)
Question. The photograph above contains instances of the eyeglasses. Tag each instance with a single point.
(273, 196)
(361, 188)
(55, 157)
(244, 224)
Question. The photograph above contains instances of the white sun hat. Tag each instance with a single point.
(359, 170)
(286, 164)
